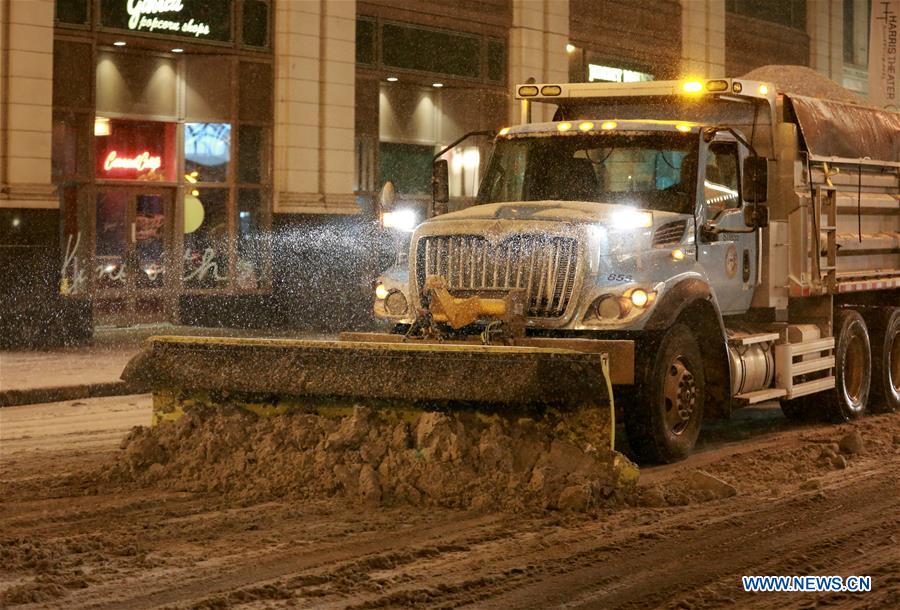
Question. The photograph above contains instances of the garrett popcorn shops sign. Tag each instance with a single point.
(197, 19)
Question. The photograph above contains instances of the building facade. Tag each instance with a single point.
(217, 162)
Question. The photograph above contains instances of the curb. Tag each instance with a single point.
(13, 398)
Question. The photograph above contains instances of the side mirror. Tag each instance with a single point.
(387, 196)
(756, 179)
(440, 186)
(756, 216)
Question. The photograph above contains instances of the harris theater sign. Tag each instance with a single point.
(198, 19)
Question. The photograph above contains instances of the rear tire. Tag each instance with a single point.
(884, 333)
(663, 422)
(852, 367)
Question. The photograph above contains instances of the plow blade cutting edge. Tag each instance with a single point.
(565, 389)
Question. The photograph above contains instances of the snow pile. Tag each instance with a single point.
(432, 458)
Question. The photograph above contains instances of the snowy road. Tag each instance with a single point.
(69, 541)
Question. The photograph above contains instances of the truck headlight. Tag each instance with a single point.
(640, 297)
(381, 292)
(630, 218)
(402, 220)
(395, 303)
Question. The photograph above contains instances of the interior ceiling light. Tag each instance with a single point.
(392, 79)
(119, 43)
(437, 85)
(178, 50)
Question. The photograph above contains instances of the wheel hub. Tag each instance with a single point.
(680, 394)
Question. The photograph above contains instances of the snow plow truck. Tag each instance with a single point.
(695, 245)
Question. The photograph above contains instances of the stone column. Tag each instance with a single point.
(825, 26)
(537, 48)
(26, 104)
(703, 38)
(314, 106)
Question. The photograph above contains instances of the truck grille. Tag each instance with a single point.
(669, 234)
(545, 267)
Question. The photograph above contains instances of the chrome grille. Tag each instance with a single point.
(544, 266)
(669, 234)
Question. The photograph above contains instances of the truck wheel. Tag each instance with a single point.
(664, 421)
(852, 366)
(884, 326)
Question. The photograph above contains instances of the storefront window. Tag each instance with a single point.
(136, 84)
(72, 11)
(136, 150)
(251, 238)
(207, 151)
(71, 139)
(251, 145)
(149, 240)
(616, 75)
(427, 50)
(408, 166)
(256, 86)
(255, 23)
(496, 61)
(365, 41)
(111, 235)
(206, 238)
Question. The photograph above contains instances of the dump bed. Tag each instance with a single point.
(844, 212)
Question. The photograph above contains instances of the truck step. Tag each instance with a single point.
(808, 366)
(811, 387)
(751, 398)
(808, 347)
(752, 339)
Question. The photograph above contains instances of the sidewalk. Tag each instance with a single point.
(38, 376)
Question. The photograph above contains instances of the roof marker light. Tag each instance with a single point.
(717, 85)
(683, 127)
(737, 87)
(607, 125)
(564, 126)
(504, 131)
(528, 90)
(551, 90)
(763, 90)
(585, 126)
(693, 86)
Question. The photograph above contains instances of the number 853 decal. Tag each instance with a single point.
(618, 277)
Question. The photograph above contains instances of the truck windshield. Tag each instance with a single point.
(649, 170)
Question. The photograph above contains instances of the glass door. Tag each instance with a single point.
(133, 245)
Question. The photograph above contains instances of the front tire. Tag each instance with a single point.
(852, 367)
(884, 327)
(664, 421)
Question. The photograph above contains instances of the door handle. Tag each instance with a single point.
(133, 233)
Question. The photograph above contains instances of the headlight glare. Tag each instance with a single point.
(402, 220)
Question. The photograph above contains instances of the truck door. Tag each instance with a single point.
(730, 259)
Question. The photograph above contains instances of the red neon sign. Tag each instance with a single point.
(142, 162)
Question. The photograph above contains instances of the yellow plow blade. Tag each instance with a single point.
(567, 388)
